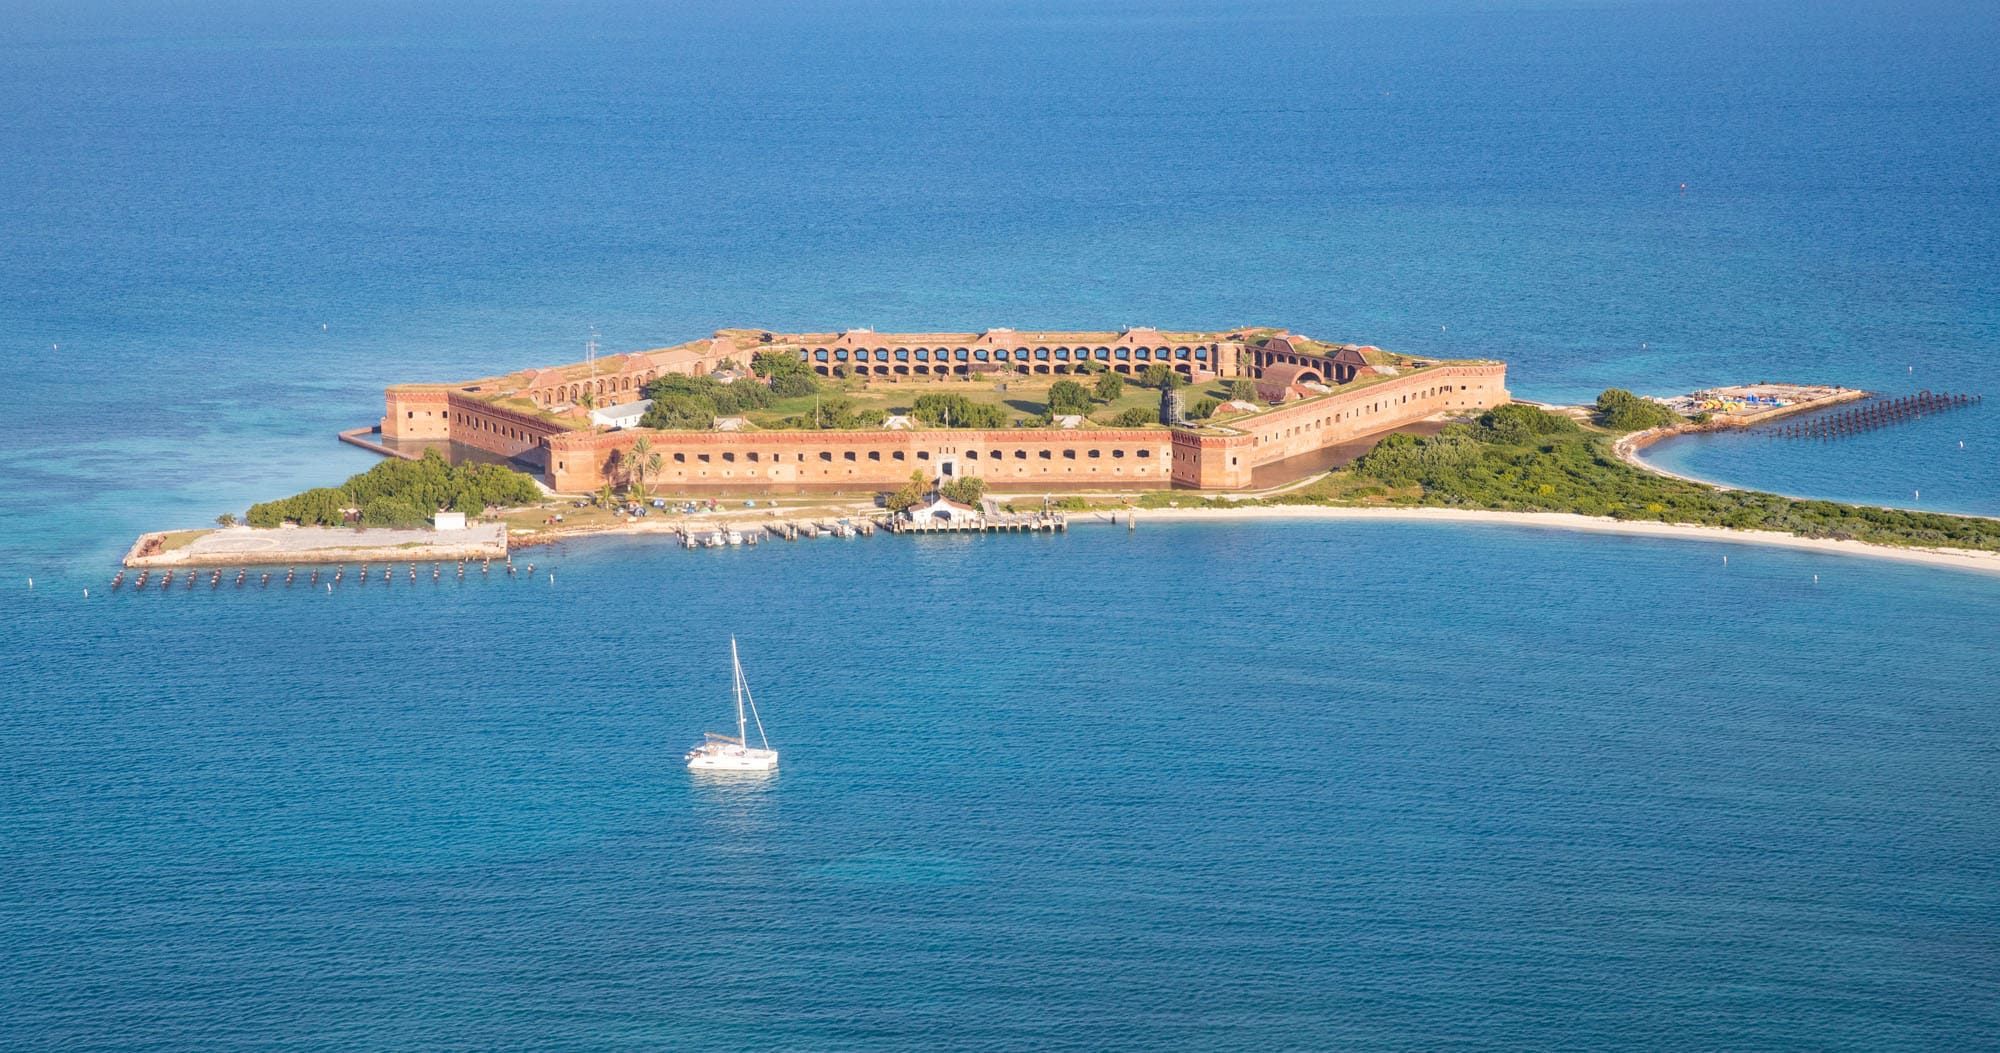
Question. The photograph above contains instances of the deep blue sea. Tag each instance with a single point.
(1250, 786)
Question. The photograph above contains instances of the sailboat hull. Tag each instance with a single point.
(732, 758)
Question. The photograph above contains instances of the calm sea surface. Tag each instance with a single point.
(1289, 785)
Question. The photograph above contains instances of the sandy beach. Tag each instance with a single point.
(1958, 559)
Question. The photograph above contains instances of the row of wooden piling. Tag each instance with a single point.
(313, 577)
(1870, 415)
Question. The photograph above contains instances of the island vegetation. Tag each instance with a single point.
(1621, 411)
(1523, 459)
(400, 493)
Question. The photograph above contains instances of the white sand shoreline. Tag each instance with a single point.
(1957, 559)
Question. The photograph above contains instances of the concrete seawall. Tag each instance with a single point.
(360, 437)
(246, 546)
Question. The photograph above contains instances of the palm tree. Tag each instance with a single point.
(606, 496)
(643, 459)
(587, 400)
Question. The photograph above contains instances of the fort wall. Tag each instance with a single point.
(1029, 458)
(1314, 424)
(430, 413)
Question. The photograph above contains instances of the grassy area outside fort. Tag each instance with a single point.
(1523, 459)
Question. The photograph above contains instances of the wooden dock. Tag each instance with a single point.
(1015, 523)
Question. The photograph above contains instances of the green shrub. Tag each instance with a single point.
(727, 399)
(793, 385)
(1135, 417)
(1620, 410)
(775, 364)
(1515, 423)
(1068, 396)
(966, 489)
(679, 413)
(391, 512)
(957, 411)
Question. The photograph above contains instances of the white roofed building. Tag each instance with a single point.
(623, 415)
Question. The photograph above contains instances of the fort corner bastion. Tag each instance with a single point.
(1310, 396)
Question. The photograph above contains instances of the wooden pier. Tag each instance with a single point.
(1005, 523)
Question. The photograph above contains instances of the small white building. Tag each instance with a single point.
(898, 422)
(1068, 420)
(623, 415)
(731, 423)
(448, 521)
(938, 509)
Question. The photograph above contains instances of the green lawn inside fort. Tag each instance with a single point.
(1023, 400)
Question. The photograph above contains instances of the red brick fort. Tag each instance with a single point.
(1311, 395)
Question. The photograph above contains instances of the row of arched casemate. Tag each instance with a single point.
(932, 361)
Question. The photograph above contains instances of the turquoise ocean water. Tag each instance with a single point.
(1263, 786)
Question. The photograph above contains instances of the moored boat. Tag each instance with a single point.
(719, 752)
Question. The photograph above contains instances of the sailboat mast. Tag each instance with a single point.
(736, 671)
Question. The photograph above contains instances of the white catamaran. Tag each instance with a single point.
(723, 753)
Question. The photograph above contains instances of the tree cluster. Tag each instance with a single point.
(402, 493)
(957, 411)
(966, 489)
(789, 375)
(1135, 417)
(1620, 410)
(1068, 396)
(909, 494)
(683, 402)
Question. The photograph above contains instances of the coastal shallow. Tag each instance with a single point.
(665, 531)
(1956, 559)
(1524, 786)
(1304, 784)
